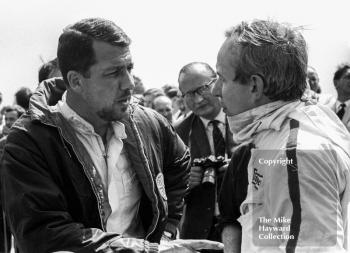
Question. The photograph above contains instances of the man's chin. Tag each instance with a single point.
(115, 115)
(205, 112)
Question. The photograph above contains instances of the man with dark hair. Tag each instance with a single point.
(48, 70)
(11, 114)
(341, 105)
(22, 97)
(84, 170)
(206, 133)
(298, 172)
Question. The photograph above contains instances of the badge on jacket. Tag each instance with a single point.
(161, 186)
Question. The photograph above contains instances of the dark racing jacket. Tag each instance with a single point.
(53, 196)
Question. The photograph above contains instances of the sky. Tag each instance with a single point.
(165, 35)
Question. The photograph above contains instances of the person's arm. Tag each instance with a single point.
(37, 208)
(232, 193)
(176, 175)
(39, 214)
(231, 237)
(229, 211)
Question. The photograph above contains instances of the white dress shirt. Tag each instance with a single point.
(338, 105)
(221, 117)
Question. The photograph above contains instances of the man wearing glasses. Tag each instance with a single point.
(86, 169)
(206, 132)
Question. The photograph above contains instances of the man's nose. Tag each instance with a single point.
(197, 98)
(217, 89)
(128, 82)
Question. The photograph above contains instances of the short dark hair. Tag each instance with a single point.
(341, 69)
(23, 96)
(274, 50)
(75, 50)
(190, 66)
(170, 91)
(46, 69)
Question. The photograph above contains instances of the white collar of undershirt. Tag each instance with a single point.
(221, 117)
(81, 125)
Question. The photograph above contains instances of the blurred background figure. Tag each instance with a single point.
(313, 79)
(11, 113)
(183, 109)
(22, 97)
(137, 93)
(172, 92)
(163, 105)
(48, 70)
(139, 87)
(1, 115)
(150, 94)
(341, 104)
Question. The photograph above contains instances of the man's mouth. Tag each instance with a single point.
(124, 99)
(198, 107)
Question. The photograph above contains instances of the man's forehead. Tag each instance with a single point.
(192, 80)
(228, 55)
(108, 52)
(10, 114)
(162, 101)
(196, 74)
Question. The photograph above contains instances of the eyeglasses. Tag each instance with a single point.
(203, 90)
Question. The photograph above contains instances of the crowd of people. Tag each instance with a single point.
(248, 157)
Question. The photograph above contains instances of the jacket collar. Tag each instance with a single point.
(269, 116)
(43, 103)
(48, 93)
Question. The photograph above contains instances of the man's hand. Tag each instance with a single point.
(196, 175)
(189, 246)
(232, 238)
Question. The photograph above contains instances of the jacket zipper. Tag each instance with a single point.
(149, 173)
(84, 169)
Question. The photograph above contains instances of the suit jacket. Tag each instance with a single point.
(330, 102)
(200, 202)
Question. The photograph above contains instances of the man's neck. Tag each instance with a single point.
(77, 104)
(212, 116)
(342, 98)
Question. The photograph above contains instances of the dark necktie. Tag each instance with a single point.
(341, 112)
(219, 141)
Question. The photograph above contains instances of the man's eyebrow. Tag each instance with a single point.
(115, 68)
(126, 65)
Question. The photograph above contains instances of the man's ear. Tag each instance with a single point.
(257, 86)
(336, 82)
(75, 80)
